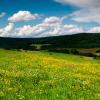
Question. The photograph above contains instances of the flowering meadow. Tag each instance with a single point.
(41, 75)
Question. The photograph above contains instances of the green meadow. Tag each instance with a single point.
(41, 75)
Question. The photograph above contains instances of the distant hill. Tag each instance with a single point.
(82, 40)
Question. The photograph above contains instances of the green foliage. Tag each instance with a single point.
(39, 75)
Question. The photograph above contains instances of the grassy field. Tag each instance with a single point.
(39, 75)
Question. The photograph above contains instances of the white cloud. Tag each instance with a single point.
(81, 3)
(52, 20)
(29, 31)
(22, 16)
(73, 29)
(89, 10)
(6, 31)
(42, 30)
(2, 14)
(51, 26)
(9, 27)
(94, 30)
(45, 28)
(87, 15)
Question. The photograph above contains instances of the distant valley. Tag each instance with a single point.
(87, 44)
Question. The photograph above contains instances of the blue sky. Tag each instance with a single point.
(48, 17)
(48, 7)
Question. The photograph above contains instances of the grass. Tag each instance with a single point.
(39, 75)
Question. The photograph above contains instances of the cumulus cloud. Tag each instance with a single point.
(89, 10)
(2, 14)
(22, 16)
(73, 29)
(6, 31)
(51, 26)
(52, 20)
(46, 28)
(29, 31)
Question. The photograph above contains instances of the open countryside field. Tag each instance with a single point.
(41, 75)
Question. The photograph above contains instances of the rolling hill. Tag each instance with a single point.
(43, 75)
(82, 40)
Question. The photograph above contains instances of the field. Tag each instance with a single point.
(41, 75)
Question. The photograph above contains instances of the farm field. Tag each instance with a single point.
(41, 75)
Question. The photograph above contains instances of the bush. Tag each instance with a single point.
(74, 51)
(89, 54)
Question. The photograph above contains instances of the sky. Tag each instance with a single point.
(42, 18)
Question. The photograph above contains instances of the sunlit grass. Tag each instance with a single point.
(35, 75)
